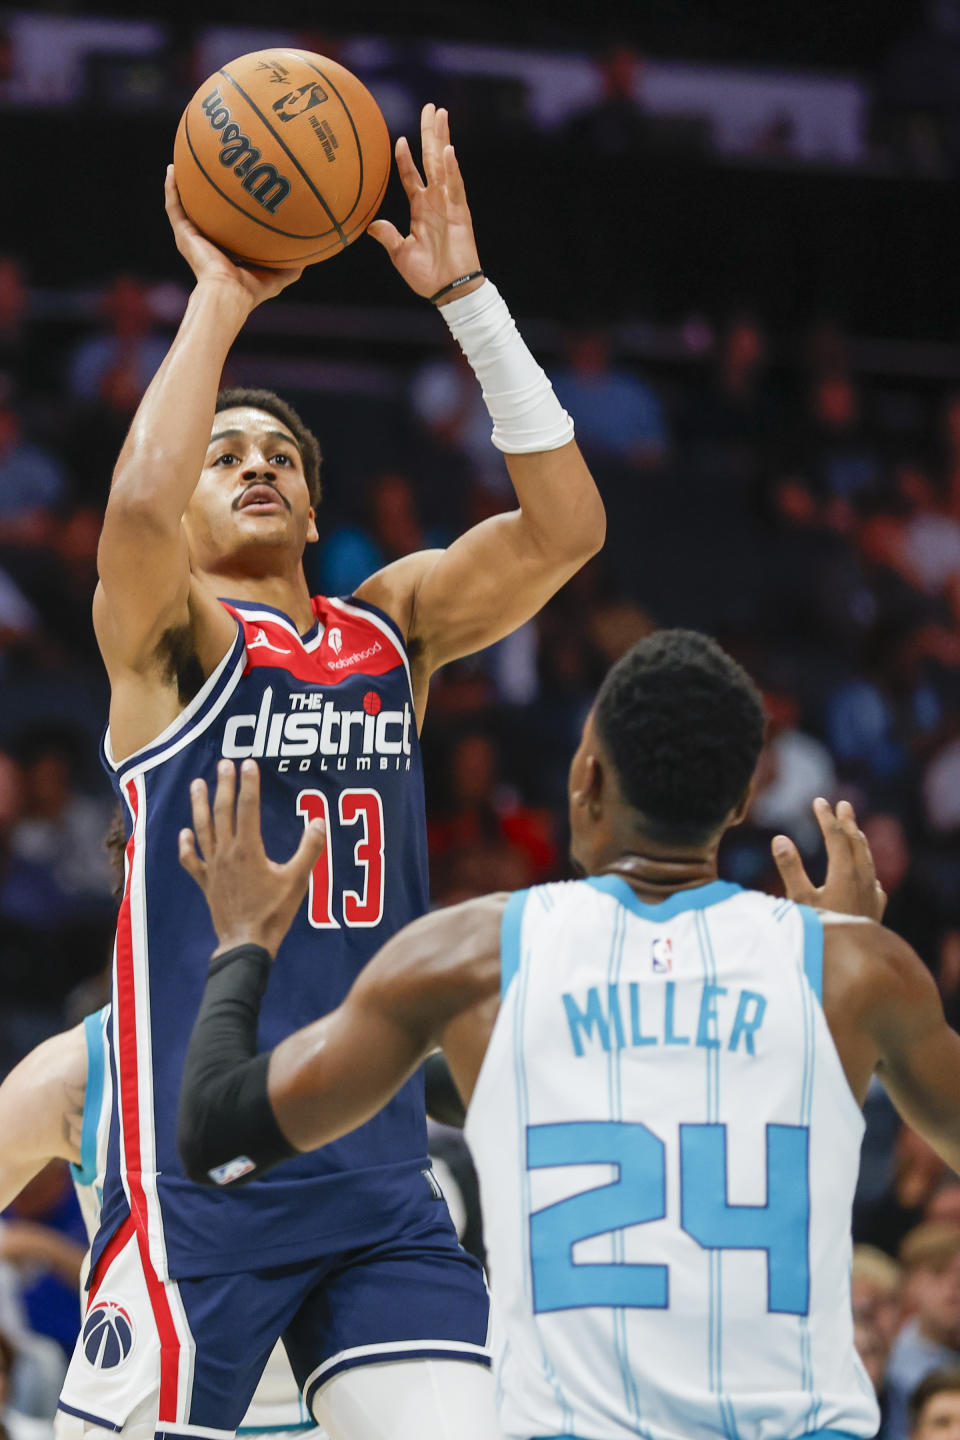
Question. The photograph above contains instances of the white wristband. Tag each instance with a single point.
(527, 416)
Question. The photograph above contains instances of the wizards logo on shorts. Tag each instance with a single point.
(107, 1335)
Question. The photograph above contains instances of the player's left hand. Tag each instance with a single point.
(440, 246)
(851, 886)
(252, 899)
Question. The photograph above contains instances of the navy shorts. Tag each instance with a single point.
(202, 1343)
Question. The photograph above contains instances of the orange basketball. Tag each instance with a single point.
(282, 158)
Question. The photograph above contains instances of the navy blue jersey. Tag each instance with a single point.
(329, 718)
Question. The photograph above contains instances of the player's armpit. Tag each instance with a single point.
(36, 1101)
(919, 1052)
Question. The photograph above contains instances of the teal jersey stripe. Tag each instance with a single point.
(812, 949)
(86, 1172)
(510, 927)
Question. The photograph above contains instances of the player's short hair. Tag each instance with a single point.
(684, 725)
(938, 1382)
(309, 445)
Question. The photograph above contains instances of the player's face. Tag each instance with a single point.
(939, 1419)
(252, 492)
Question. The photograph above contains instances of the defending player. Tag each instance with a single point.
(56, 1105)
(214, 647)
(663, 1074)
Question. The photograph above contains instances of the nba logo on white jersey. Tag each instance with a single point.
(335, 639)
(661, 955)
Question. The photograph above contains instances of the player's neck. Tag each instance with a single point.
(656, 870)
(289, 593)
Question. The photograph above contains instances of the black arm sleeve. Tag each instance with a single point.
(227, 1132)
(443, 1097)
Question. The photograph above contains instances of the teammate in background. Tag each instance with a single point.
(56, 1105)
(663, 1074)
(214, 647)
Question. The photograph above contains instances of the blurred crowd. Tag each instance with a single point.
(806, 516)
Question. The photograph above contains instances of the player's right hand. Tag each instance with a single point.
(209, 262)
(252, 899)
(851, 886)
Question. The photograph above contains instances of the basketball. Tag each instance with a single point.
(282, 158)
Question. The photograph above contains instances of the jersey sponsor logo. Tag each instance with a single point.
(260, 642)
(108, 1335)
(343, 662)
(314, 733)
(335, 639)
(661, 955)
(234, 1169)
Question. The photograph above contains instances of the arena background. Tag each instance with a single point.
(729, 234)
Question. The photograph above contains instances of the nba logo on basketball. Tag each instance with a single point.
(335, 639)
(661, 955)
(107, 1336)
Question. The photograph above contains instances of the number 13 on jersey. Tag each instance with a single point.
(361, 908)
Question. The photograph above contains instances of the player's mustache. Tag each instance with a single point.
(259, 485)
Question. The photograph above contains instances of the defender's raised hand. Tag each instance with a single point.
(851, 886)
(441, 246)
(252, 899)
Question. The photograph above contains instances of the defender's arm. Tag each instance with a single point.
(41, 1110)
(917, 1053)
(241, 1112)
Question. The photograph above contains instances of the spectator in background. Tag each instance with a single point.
(114, 367)
(14, 1425)
(875, 1296)
(106, 376)
(618, 415)
(616, 124)
(841, 459)
(930, 538)
(56, 905)
(448, 406)
(941, 787)
(913, 909)
(485, 817)
(794, 769)
(33, 483)
(934, 1412)
(391, 527)
(930, 1256)
(24, 361)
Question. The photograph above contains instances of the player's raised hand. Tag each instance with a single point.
(252, 899)
(209, 262)
(441, 246)
(851, 886)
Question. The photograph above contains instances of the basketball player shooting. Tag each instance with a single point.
(215, 648)
(663, 1074)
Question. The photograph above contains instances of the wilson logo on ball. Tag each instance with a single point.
(262, 181)
(107, 1336)
(299, 101)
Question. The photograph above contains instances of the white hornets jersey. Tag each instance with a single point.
(277, 1408)
(668, 1148)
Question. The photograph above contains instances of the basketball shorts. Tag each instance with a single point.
(201, 1344)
